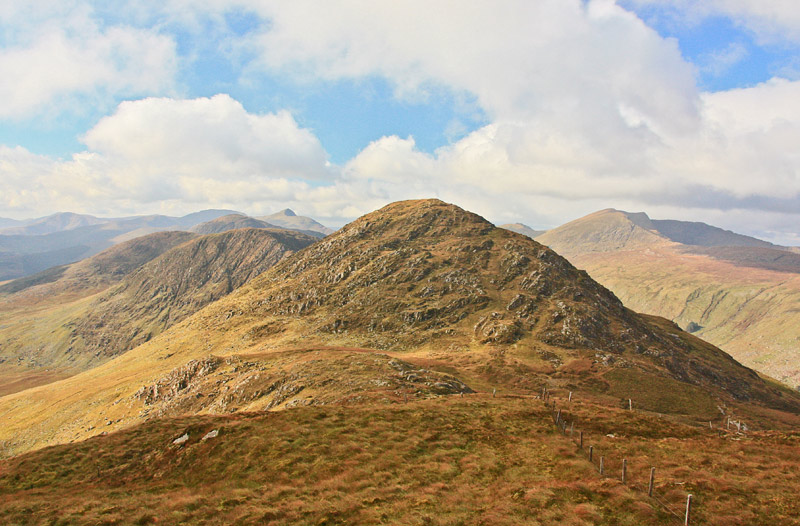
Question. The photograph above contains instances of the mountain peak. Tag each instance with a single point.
(603, 231)
(287, 212)
(407, 220)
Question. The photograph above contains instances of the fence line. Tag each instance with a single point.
(561, 424)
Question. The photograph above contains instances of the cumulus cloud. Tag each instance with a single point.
(52, 56)
(208, 151)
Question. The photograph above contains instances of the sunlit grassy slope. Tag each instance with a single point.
(443, 461)
(744, 299)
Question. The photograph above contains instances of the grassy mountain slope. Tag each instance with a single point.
(423, 282)
(151, 298)
(701, 234)
(742, 298)
(443, 461)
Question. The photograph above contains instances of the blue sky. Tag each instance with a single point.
(535, 112)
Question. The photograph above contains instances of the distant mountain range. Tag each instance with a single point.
(735, 291)
(286, 218)
(28, 247)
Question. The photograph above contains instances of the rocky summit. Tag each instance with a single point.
(429, 274)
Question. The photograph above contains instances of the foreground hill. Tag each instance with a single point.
(423, 282)
(742, 297)
(453, 460)
(151, 297)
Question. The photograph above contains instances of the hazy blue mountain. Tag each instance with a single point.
(288, 219)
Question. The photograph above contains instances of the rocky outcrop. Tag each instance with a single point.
(287, 380)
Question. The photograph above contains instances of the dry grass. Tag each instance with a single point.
(448, 461)
(471, 460)
(748, 478)
(14, 382)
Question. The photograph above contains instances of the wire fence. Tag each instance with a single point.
(600, 463)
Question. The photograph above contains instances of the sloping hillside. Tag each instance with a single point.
(429, 284)
(151, 298)
(445, 461)
(92, 274)
(743, 298)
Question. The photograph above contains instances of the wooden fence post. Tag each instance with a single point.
(688, 509)
(652, 481)
(630, 404)
(601, 465)
(624, 469)
(570, 397)
(591, 451)
(558, 417)
(581, 439)
(494, 391)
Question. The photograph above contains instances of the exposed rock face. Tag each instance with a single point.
(425, 272)
(177, 284)
(289, 379)
(418, 270)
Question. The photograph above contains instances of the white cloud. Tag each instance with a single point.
(54, 56)
(206, 151)
(588, 108)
